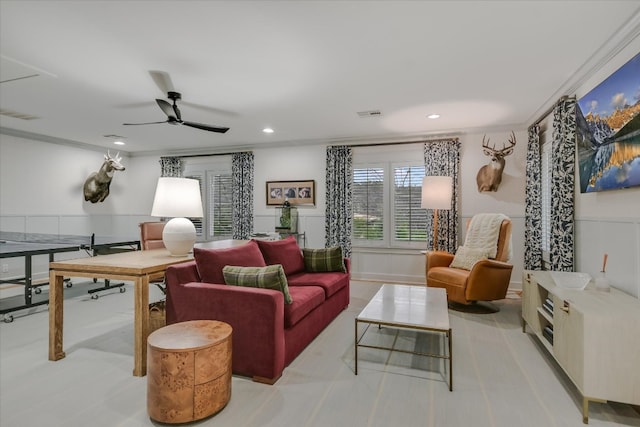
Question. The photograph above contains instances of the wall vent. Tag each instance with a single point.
(370, 113)
(16, 115)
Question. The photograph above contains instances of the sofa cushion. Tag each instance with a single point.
(305, 299)
(325, 259)
(269, 277)
(210, 262)
(466, 257)
(330, 282)
(285, 252)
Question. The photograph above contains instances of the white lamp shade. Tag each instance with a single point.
(437, 192)
(178, 198)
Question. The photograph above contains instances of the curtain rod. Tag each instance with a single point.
(550, 109)
(377, 144)
(203, 155)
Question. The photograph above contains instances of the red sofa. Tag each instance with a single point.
(268, 334)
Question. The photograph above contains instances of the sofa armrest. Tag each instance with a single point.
(182, 273)
(256, 316)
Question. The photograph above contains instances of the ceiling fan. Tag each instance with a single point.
(171, 110)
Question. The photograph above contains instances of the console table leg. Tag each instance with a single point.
(585, 410)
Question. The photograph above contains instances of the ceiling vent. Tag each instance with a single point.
(370, 113)
(16, 115)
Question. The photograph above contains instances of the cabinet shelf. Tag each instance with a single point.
(546, 315)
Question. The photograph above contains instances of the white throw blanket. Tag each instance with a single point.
(484, 231)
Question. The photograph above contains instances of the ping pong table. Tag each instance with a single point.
(28, 245)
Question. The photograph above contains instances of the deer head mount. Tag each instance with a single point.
(490, 175)
(96, 187)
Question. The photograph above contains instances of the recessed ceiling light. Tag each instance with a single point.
(118, 142)
(267, 130)
(433, 116)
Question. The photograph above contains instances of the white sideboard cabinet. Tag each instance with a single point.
(593, 335)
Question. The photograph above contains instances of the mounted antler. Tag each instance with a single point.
(490, 175)
(96, 186)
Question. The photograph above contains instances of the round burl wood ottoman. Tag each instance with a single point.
(188, 370)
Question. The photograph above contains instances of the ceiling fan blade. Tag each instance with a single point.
(213, 110)
(166, 107)
(148, 123)
(162, 80)
(206, 127)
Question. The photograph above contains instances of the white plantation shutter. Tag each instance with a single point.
(220, 205)
(409, 219)
(197, 222)
(368, 203)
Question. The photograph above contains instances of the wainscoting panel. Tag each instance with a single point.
(620, 239)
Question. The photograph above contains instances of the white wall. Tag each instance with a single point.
(41, 191)
(609, 221)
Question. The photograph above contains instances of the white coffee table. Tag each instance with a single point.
(410, 307)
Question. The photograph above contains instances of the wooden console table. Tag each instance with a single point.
(139, 267)
(594, 336)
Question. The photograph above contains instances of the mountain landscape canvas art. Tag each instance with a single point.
(608, 131)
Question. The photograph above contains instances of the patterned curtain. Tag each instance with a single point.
(242, 171)
(533, 207)
(339, 207)
(171, 166)
(442, 158)
(562, 186)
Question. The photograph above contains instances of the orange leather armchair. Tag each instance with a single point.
(488, 279)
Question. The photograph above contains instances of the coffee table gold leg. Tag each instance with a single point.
(450, 361)
(356, 345)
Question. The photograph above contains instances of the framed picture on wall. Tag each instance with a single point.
(608, 132)
(297, 192)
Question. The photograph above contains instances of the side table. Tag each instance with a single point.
(188, 370)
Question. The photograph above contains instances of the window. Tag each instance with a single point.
(386, 205)
(410, 220)
(220, 205)
(545, 194)
(546, 175)
(216, 187)
(368, 203)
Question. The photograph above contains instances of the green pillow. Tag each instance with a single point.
(269, 277)
(324, 260)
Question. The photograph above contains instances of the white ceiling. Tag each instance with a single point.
(304, 68)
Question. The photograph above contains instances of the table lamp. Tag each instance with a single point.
(178, 198)
(437, 192)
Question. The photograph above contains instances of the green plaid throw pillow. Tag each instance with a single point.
(323, 260)
(269, 277)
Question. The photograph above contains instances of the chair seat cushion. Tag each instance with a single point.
(453, 276)
(305, 299)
